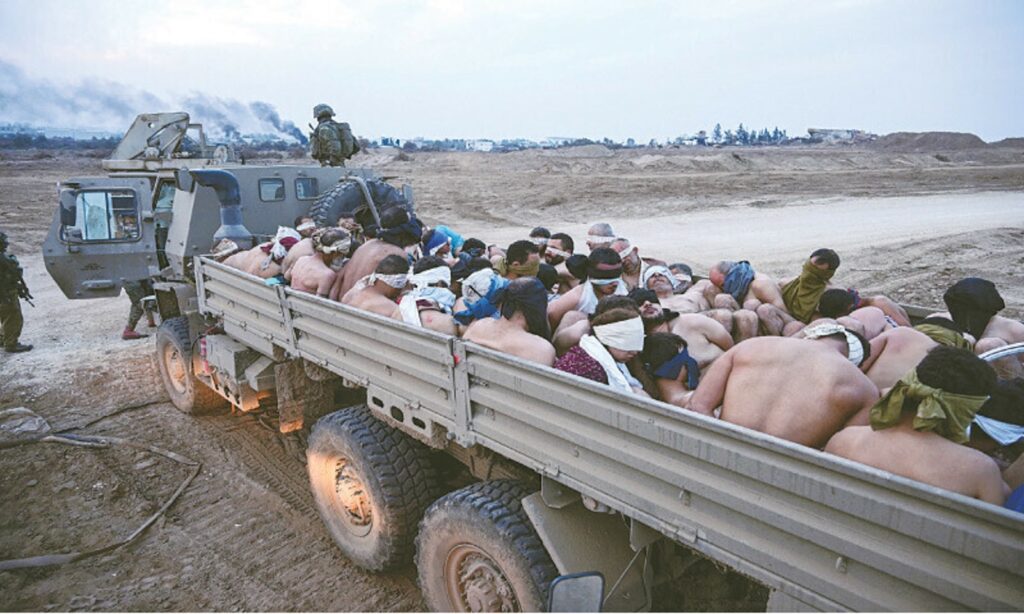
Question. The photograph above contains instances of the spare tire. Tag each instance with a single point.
(346, 198)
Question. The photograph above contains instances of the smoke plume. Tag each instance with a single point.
(109, 106)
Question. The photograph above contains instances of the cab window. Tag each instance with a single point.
(105, 215)
(271, 189)
(306, 188)
(164, 197)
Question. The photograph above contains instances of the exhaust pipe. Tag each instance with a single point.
(229, 195)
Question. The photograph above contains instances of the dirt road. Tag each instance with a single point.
(244, 536)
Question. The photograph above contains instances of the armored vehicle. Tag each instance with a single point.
(582, 497)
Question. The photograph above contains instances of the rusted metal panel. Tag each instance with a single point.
(828, 532)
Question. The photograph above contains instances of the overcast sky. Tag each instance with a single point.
(528, 68)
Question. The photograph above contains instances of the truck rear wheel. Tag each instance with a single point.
(478, 552)
(174, 360)
(371, 484)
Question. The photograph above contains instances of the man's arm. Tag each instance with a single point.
(326, 284)
(890, 308)
(877, 347)
(991, 487)
(717, 334)
(561, 306)
(711, 391)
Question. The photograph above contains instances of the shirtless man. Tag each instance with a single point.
(796, 389)
(600, 234)
(632, 264)
(667, 360)
(895, 446)
(522, 330)
(801, 295)
(378, 292)
(740, 287)
(429, 304)
(399, 232)
(304, 225)
(973, 304)
(313, 273)
(706, 339)
(893, 353)
(559, 249)
(521, 259)
(604, 278)
(877, 313)
(264, 260)
(740, 324)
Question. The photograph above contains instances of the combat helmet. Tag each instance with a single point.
(321, 110)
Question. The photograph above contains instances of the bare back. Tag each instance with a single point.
(504, 336)
(363, 262)
(300, 250)
(925, 457)
(894, 353)
(706, 339)
(311, 274)
(369, 299)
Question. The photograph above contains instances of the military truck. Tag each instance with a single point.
(582, 497)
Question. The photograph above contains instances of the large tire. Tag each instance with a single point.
(371, 484)
(174, 361)
(477, 551)
(346, 198)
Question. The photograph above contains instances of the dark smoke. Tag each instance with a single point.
(268, 113)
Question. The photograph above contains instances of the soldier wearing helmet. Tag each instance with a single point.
(331, 142)
(12, 291)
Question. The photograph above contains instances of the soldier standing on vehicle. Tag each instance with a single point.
(331, 142)
(12, 290)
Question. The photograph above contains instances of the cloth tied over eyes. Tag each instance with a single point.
(945, 413)
(528, 269)
(671, 368)
(619, 377)
(398, 280)
(803, 293)
(554, 251)
(855, 349)
(339, 246)
(283, 241)
(972, 302)
(305, 226)
(430, 277)
(437, 241)
(600, 240)
(738, 280)
(480, 292)
(441, 299)
(944, 336)
(1004, 433)
(539, 241)
(627, 335)
(658, 269)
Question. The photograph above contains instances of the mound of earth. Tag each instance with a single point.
(1016, 142)
(928, 141)
(584, 151)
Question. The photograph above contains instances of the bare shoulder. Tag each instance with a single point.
(845, 442)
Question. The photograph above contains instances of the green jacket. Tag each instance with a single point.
(11, 281)
(803, 293)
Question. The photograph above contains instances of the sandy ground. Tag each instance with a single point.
(244, 536)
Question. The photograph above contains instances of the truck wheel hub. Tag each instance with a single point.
(354, 500)
(175, 366)
(476, 583)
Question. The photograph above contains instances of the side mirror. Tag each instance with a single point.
(578, 592)
(68, 209)
(183, 180)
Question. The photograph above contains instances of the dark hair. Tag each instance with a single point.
(659, 348)
(428, 262)
(1007, 402)
(835, 303)
(547, 276)
(641, 295)
(392, 265)
(957, 371)
(828, 256)
(577, 266)
(393, 216)
(526, 295)
(615, 301)
(298, 220)
(601, 263)
(520, 251)
(618, 314)
(540, 232)
(679, 267)
(566, 240)
(472, 244)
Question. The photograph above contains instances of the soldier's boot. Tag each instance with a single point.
(129, 334)
(18, 347)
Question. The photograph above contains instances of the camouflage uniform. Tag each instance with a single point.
(137, 291)
(331, 142)
(12, 290)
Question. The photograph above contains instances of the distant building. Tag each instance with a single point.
(480, 145)
(839, 135)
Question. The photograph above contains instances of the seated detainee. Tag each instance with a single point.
(973, 304)
(877, 314)
(430, 302)
(893, 353)
(740, 324)
(548, 275)
(618, 337)
(600, 234)
(264, 260)
(604, 278)
(945, 332)
(683, 274)
(741, 287)
(705, 337)
(568, 336)
(522, 330)
(675, 373)
(315, 273)
(304, 225)
(521, 259)
(999, 423)
(480, 292)
(917, 428)
(632, 264)
(378, 291)
(801, 295)
(558, 250)
(398, 231)
(797, 389)
(437, 243)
